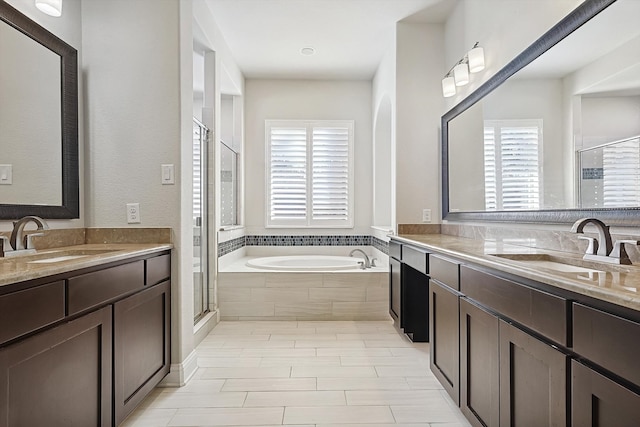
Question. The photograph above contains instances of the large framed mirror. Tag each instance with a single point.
(38, 121)
(553, 136)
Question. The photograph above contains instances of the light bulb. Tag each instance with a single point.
(461, 74)
(50, 7)
(476, 59)
(448, 86)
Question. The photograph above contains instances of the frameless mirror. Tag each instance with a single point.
(513, 150)
(38, 121)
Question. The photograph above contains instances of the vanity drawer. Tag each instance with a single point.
(537, 310)
(395, 250)
(445, 271)
(416, 258)
(608, 340)
(93, 289)
(158, 269)
(28, 310)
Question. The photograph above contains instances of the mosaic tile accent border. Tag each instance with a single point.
(231, 245)
(225, 248)
(380, 245)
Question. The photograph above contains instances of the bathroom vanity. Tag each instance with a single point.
(515, 341)
(84, 333)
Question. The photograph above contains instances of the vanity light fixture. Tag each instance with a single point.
(458, 75)
(50, 7)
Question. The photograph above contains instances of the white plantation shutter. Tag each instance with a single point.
(288, 174)
(512, 172)
(330, 182)
(621, 174)
(310, 166)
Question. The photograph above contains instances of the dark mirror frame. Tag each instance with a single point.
(70, 207)
(573, 21)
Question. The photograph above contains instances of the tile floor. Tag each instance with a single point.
(305, 374)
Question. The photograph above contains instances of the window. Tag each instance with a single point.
(309, 173)
(512, 151)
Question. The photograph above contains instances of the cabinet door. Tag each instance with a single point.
(444, 332)
(60, 377)
(415, 304)
(479, 365)
(533, 381)
(599, 401)
(395, 292)
(141, 346)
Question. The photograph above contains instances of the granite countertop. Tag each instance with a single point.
(617, 284)
(70, 258)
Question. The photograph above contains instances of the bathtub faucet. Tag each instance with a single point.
(367, 263)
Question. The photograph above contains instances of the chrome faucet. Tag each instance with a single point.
(367, 263)
(18, 240)
(601, 249)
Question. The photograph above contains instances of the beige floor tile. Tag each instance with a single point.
(403, 371)
(236, 337)
(338, 414)
(410, 351)
(228, 362)
(329, 344)
(195, 386)
(287, 331)
(300, 361)
(218, 352)
(195, 400)
(428, 382)
(391, 397)
(384, 425)
(149, 418)
(389, 343)
(382, 361)
(354, 352)
(295, 398)
(333, 372)
(227, 416)
(218, 373)
(269, 384)
(258, 344)
(362, 384)
(434, 411)
(303, 337)
(278, 352)
(369, 336)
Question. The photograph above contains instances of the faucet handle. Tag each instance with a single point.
(29, 240)
(5, 245)
(619, 252)
(373, 262)
(592, 247)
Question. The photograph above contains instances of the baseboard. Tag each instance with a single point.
(180, 373)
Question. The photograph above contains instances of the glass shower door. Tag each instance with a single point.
(200, 223)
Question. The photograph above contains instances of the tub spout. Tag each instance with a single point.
(367, 262)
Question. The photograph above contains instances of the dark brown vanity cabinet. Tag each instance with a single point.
(97, 347)
(409, 290)
(60, 377)
(141, 346)
(444, 323)
(479, 365)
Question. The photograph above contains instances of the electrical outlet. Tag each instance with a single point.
(426, 215)
(133, 213)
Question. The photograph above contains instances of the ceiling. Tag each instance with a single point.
(350, 37)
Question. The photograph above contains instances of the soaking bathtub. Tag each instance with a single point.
(306, 263)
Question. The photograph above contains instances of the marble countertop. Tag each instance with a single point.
(36, 265)
(617, 284)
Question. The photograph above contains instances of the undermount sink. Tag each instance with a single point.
(550, 262)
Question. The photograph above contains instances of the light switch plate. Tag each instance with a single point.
(6, 174)
(168, 174)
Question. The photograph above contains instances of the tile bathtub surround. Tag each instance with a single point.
(304, 296)
(229, 246)
(305, 374)
(558, 240)
(419, 228)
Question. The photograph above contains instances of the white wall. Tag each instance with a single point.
(68, 27)
(419, 105)
(312, 100)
